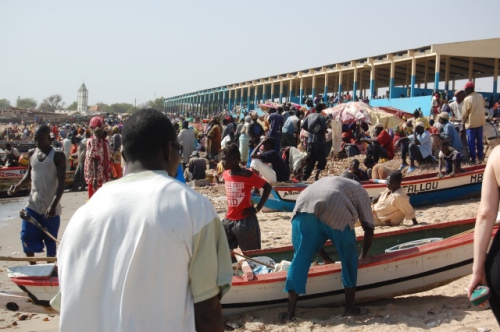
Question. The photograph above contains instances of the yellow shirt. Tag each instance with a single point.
(425, 121)
(473, 111)
(392, 208)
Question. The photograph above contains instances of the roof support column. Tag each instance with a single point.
(301, 91)
(426, 73)
(447, 76)
(264, 93)
(272, 90)
(373, 73)
(281, 90)
(495, 79)
(413, 76)
(391, 79)
(355, 83)
(340, 83)
(229, 100)
(313, 92)
(290, 94)
(361, 92)
(248, 98)
(325, 90)
(471, 69)
(241, 97)
(436, 72)
(255, 96)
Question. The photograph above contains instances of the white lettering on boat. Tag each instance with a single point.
(290, 193)
(421, 187)
(474, 178)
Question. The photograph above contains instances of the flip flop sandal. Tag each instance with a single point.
(12, 306)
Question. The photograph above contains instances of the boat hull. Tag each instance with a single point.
(380, 276)
(422, 190)
(10, 176)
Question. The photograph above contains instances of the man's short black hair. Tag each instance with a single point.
(43, 130)
(445, 143)
(397, 176)
(351, 176)
(269, 143)
(369, 162)
(145, 133)
(232, 150)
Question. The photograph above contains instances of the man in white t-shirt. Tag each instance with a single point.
(145, 253)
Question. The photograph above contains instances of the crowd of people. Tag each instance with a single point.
(248, 156)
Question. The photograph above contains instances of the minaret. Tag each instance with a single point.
(83, 99)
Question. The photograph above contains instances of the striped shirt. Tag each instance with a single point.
(336, 201)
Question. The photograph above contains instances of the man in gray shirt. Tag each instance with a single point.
(328, 209)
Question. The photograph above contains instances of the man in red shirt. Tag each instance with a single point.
(382, 146)
(241, 223)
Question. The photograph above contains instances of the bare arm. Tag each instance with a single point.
(208, 315)
(265, 195)
(255, 151)
(485, 219)
(367, 240)
(60, 162)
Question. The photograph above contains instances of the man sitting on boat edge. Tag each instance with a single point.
(393, 206)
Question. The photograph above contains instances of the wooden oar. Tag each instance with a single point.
(251, 259)
(27, 259)
(26, 217)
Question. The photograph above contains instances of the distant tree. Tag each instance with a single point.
(119, 108)
(52, 103)
(26, 103)
(73, 106)
(4, 104)
(157, 104)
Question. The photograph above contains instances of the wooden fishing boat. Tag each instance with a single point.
(423, 189)
(22, 146)
(381, 275)
(10, 176)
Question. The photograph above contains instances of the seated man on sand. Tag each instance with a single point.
(280, 170)
(452, 159)
(297, 160)
(354, 169)
(376, 171)
(393, 206)
(380, 147)
(196, 168)
(420, 149)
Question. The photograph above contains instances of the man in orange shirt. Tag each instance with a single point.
(380, 147)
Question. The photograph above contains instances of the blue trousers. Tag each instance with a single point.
(33, 239)
(309, 235)
(475, 139)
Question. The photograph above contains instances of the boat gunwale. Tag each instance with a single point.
(417, 179)
(321, 270)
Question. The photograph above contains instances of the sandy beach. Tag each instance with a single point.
(443, 309)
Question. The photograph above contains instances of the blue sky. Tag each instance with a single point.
(141, 49)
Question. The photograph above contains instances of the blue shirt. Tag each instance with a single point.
(275, 124)
(425, 143)
(290, 126)
(450, 134)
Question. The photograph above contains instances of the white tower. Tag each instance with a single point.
(83, 99)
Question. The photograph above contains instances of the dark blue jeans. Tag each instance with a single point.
(475, 139)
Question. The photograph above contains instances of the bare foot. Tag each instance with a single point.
(284, 318)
